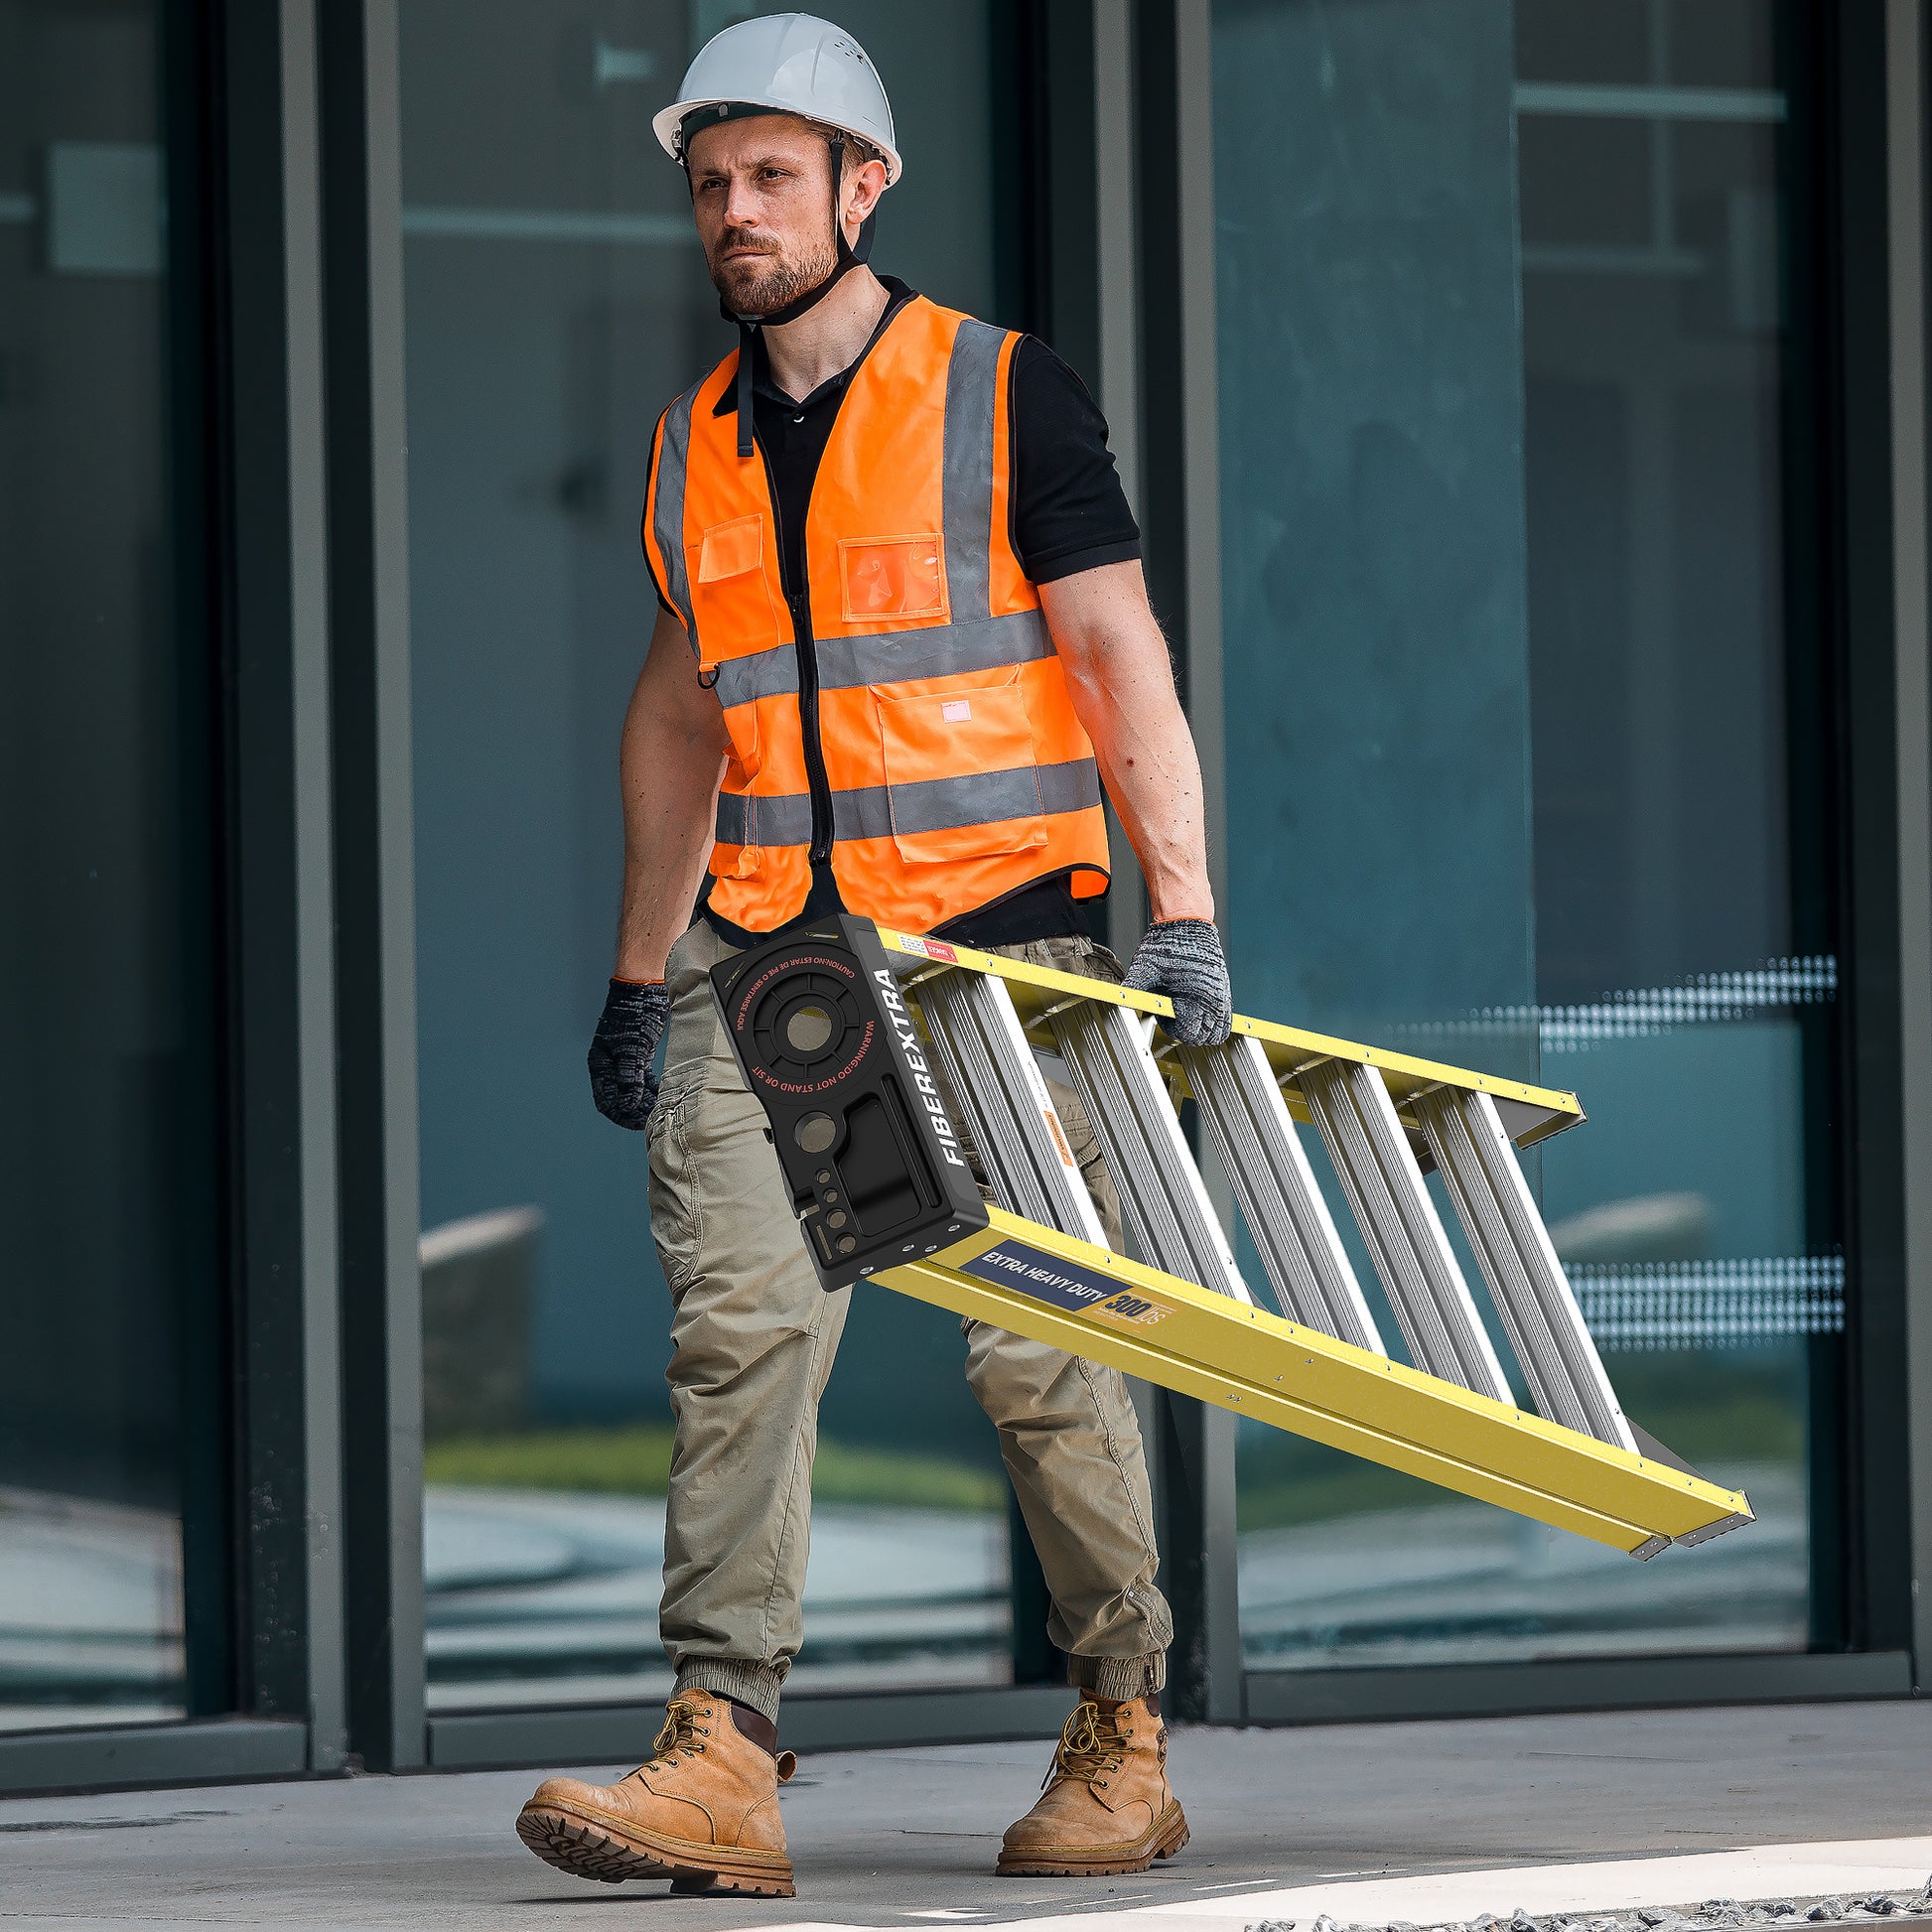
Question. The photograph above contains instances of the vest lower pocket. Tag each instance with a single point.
(961, 777)
(747, 752)
(737, 862)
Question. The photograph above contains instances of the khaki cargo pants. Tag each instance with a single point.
(753, 1337)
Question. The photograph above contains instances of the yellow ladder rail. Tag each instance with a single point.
(849, 1035)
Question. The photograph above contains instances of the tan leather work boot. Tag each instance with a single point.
(1106, 1806)
(703, 1813)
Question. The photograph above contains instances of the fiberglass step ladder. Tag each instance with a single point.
(1322, 1368)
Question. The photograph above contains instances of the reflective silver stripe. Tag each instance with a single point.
(758, 674)
(970, 397)
(937, 650)
(667, 520)
(889, 656)
(783, 819)
(930, 805)
(977, 799)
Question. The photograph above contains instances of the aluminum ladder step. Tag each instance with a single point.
(1254, 1133)
(1526, 1279)
(1405, 1235)
(1163, 1198)
(1015, 1125)
(1241, 1102)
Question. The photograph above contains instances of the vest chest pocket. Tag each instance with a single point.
(731, 591)
(892, 576)
(730, 599)
(961, 776)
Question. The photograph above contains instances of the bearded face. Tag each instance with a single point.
(757, 273)
(761, 194)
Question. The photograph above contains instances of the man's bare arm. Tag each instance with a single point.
(669, 767)
(1121, 682)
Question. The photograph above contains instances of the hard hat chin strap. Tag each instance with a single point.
(849, 257)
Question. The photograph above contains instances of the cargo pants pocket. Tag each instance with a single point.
(675, 1190)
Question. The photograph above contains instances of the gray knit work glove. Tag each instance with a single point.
(621, 1080)
(1183, 958)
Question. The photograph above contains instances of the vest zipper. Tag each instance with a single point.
(800, 603)
(801, 631)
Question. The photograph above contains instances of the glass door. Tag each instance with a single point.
(111, 1375)
(1507, 674)
(556, 301)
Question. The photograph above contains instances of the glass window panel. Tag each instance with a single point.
(1503, 562)
(1608, 42)
(108, 1285)
(556, 301)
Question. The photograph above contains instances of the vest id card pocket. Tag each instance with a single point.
(892, 576)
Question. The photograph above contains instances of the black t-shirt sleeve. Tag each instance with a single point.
(1068, 511)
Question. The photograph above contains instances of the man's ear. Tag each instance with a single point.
(863, 189)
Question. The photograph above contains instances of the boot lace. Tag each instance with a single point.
(683, 1734)
(1091, 1744)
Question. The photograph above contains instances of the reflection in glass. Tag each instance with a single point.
(105, 1143)
(556, 301)
(1507, 668)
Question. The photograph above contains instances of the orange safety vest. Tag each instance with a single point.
(906, 716)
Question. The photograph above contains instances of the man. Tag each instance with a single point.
(903, 639)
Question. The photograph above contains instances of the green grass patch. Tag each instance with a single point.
(1713, 1411)
(1727, 1415)
(1344, 1486)
(635, 1459)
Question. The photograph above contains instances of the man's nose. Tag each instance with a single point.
(740, 205)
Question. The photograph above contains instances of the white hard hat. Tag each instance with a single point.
(787, 64)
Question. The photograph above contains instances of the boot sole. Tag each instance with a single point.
(589, 1847)
(1169, 1835)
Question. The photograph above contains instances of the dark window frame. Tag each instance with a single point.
(302, 519)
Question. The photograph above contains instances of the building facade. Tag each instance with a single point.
(1525, 408)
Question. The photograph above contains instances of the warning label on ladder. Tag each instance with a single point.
(1047, 1277)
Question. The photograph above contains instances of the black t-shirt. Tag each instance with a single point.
(1067, 513)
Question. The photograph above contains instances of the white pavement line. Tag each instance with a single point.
(1755, 1871)
(1894, 1864)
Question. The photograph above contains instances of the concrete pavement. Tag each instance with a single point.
(906, 1838)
